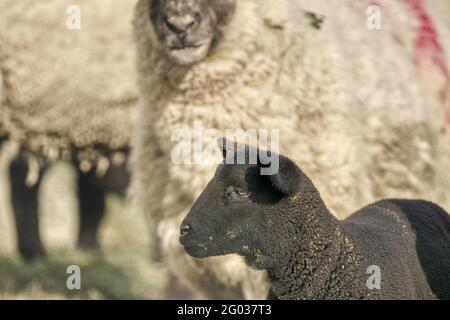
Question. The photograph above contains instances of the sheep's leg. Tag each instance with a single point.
(116, 180)
(91, 197)
(24, 196)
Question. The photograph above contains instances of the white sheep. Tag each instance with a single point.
(67, 78)
(350, 104)
(67, 91)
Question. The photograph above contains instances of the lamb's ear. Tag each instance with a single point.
(288, 178)
(230, 148)
(225, 146)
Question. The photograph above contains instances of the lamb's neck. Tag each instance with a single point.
(313, 258)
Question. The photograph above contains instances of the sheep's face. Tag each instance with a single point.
(188, 29)
(234, 210)
(227, 216)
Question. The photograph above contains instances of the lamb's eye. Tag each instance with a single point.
(236, 195)
(242, 193)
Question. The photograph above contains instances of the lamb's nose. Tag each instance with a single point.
(180, 24)
(185, 229)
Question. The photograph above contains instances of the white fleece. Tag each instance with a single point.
(350, 104)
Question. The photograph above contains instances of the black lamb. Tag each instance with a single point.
(280, 223)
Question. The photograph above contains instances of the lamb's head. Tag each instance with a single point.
(234, 212)
(188, 29)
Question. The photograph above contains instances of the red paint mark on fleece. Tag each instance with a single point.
(375, 3)
(428, 46)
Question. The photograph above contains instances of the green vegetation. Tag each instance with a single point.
(120, 270)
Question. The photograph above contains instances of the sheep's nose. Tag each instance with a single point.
(184, 230)
(180, 24)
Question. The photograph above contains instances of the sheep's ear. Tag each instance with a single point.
(224, 10)
(288, 178)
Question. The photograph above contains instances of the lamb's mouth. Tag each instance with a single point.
(196, 251)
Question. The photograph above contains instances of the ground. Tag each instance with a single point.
(120, 270)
